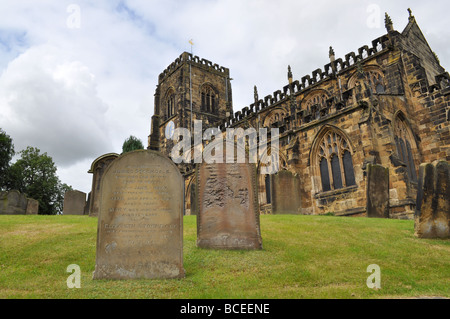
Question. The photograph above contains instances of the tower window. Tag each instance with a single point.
(208, 97)
(170, 103)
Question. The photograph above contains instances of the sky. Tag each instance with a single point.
(78, 77)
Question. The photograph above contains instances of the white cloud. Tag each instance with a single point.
(51, 103)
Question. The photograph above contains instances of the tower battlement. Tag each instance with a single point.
(307, 82)
(187, 57)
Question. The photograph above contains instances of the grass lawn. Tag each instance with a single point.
(302, 257)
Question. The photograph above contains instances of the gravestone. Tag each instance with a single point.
(32, 207)
(432, 216)
(285, 193)
(13, 203)
(140, 222)
(377, 191)
(98, 167)
(227, 207)
(194, 200)
(74, 203)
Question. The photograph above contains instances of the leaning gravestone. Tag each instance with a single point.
(377, 191)
(285, 194)
(140, 224)
(432, 216)
(227, 207)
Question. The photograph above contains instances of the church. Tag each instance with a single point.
(386, 104)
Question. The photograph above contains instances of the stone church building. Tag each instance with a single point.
(386, 104)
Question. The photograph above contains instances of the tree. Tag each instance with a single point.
(34, 174)
(131, 144)
(6, 155)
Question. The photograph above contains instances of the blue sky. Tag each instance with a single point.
(78, 77)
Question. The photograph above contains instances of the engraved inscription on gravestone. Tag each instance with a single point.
(227, 213)
(140, 225)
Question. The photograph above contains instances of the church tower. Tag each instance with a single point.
(189, 89)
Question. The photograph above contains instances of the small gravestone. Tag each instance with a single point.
(285, 193)
(140, 223)
(377, 191)
(32, 207)
(74, 203)
(227, 207)
(193, 199)
(432, 216)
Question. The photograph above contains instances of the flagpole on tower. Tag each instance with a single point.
(191, 42)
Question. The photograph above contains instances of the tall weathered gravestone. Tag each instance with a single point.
(377, 191)
(432, 217)
(74, 203)
(227, 207)
(140, 223)
(285, 192)
(97, 170)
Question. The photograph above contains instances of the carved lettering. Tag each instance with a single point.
(140, 221)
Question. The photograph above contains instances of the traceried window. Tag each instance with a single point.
(372, 77)
(316, 103)
(376, 82)
(170, 103)
(208, 96)
(274, 117)
(335, 162)
(404, 142)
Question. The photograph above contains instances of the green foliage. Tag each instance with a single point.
(34, 174)
(6, 154)
(132, 144)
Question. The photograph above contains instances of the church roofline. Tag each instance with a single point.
(331, 70)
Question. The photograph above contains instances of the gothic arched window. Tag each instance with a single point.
(334, 161)
(208, 96)
(316, 103)
(404, 141)
(376, 80)
(274, 117)
(170, 103)
(372, 77)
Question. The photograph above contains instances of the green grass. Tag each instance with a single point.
(302, 257)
